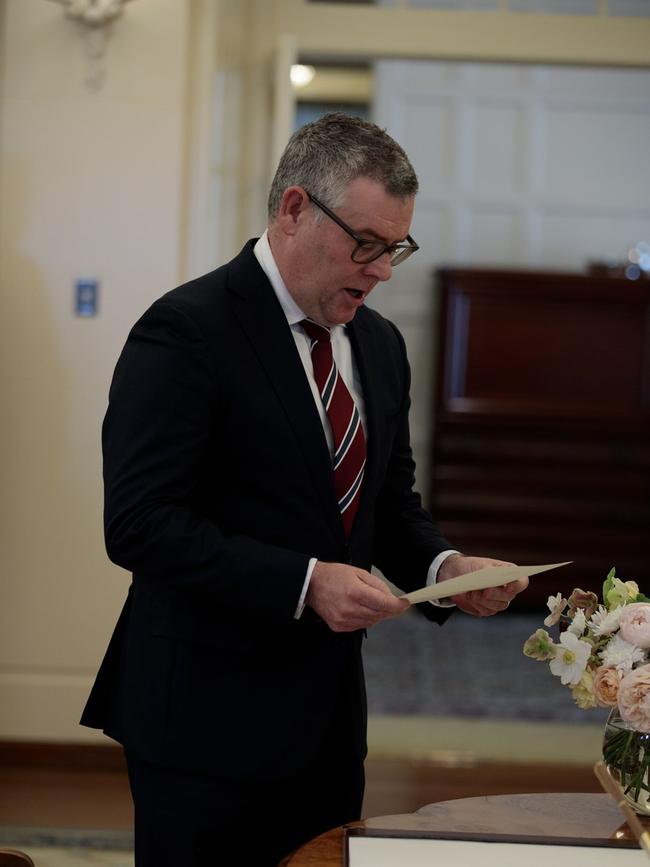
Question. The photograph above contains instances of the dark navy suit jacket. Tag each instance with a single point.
(218, 490)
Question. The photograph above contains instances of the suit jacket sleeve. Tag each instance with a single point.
(407, 539)
(160, 433)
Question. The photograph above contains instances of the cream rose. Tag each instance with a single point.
(606, 683)
(635, 624)
(634, 698)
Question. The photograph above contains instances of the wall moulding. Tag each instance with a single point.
(365, 31)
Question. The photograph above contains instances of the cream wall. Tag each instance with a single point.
(90, 185)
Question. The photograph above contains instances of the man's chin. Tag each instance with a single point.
(343, 317)
(340, 313)
(348, 311)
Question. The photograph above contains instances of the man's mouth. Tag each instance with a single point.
(356, 293)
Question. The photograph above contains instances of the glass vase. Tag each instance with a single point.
(626, 752)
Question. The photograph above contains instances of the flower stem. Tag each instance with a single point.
(625, 751)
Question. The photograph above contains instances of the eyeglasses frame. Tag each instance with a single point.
(405, 250)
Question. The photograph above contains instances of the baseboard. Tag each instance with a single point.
(91, 757)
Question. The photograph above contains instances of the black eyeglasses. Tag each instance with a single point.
(367, 250)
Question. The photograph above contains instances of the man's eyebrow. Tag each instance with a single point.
(376, 237)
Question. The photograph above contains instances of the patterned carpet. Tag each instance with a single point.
(62, 847)
(470, 667)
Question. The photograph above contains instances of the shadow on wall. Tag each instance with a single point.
(34, 397)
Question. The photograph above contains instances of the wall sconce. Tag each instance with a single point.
(95, 16)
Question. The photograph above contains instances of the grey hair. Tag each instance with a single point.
(325, 156)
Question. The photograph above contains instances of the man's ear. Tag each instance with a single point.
(293, 206)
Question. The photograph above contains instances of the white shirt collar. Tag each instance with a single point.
(264, 255)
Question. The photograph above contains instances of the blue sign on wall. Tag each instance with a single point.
(86, 297)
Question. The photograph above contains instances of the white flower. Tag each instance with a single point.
(556, 605)
(579, 622)
(621, 654)
(604, 622)
(570, 658)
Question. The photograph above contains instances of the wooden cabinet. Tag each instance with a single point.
(541, 443)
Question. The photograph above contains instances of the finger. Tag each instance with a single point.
(496, 601)
(493, 598)
(469, 602)
(487, 602)
(375, 595)
(377, 600)
(373, 581)
(507, 592)
(484, 611)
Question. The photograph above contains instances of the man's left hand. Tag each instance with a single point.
(480, 603)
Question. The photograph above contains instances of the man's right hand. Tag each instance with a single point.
(349, 598)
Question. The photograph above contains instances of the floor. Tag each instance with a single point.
(412, 761)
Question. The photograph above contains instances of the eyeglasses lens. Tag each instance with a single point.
(369, 252)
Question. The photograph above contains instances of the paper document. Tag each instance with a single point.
(369, 852)
(490, 576)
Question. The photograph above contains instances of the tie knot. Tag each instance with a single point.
(315, 331)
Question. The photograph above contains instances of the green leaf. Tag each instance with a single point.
(609, 583)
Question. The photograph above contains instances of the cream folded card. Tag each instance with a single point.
(490, 576)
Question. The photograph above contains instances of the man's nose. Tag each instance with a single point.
(380, 268)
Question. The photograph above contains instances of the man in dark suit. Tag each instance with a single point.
(234, 676)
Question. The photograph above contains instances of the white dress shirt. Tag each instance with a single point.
(345, 363)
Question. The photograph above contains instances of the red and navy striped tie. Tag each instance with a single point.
(347, 430)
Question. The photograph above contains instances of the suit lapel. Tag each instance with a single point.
(365, 349)
(264, 323)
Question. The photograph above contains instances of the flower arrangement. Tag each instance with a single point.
(603, 656)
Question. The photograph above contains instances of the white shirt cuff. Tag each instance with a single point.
(432, 577)
(300, 607)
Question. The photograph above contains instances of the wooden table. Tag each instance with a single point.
(557, 815)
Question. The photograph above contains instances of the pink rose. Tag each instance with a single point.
(634, 698)
(606, 684)
(635, 624)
